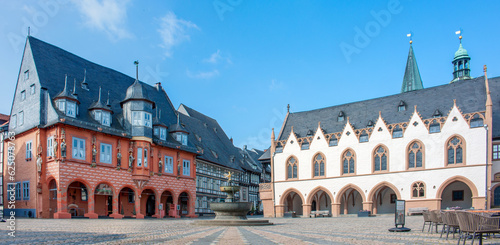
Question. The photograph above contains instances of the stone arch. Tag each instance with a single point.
(107, 183)
(316, 189)
(347, 187)
(86, 183)
(371, 195)
(75, 203)
(495, 195)
(282, 199)
(450, 180)
(103, 200)
(125, 207)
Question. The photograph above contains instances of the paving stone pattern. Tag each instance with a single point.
(338, 230)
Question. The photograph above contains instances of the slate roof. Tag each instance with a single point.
(250, 159)
(470, 97)
(53, 63)
(209, 138)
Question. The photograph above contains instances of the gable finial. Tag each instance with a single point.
(288, 108)
(107, 102)
(136, 63)
(74, 87)
(99, 99)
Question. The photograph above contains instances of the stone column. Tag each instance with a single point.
(62, 205)
(91, 205)
(335, 209)
(306, 210)
(116, 212)
(137, 205)
(280, 210)
(368, 206)
(157, 207)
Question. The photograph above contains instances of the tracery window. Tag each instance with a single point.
(380, 159)
(292, 167)
(348, 162)
(455, 150)
(415, 155)
(319, 165)
(418, 189)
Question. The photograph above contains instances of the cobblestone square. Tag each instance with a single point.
(338, 230)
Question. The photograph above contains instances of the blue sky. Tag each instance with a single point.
(241, 62)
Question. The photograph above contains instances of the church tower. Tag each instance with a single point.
(411, 80)
(461, 63)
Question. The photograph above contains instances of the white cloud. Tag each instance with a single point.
(174, 31)
(108, 16)
(275, 85)
(216, 57)
(202, 75)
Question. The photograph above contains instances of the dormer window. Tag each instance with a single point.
(333, 141)
(341, 117)
(181, 138)
(369, 124)
(160, 132)
(103, 117)
(402, 106)
(67, 107)
(141, 118)
(436, 114)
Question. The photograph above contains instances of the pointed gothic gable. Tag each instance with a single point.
(469, 94)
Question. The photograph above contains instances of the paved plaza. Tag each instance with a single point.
(339, 230)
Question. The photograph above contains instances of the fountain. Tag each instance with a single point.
(230, 212)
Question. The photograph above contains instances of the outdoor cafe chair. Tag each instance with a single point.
(427, 220)
(436, 219)
(450, 219)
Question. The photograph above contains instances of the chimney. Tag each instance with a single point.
(231, 140)
(158, 86)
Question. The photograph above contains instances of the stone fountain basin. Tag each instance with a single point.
(231, 210)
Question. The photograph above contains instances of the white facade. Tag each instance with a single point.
(372, 186)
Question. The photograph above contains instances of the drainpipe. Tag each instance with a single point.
(486, 176)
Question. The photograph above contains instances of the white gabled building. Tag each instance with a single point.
(429, 147)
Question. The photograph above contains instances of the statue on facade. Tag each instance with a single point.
(39, 163)
(94, 153)
(54, 148)
(160, 165)
(178, 168)
(228, 176)
(63, 148)
(119, 159)
(130, 161)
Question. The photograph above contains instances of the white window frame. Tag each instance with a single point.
(23, 95)
(26, 75)
(186, 167)
(141, 118)
(184, 139)
(98, 115)
(163, 133)
(139, 157)
(147, 119)
(106, 153)
(71, 108)
(169, 164)
(145, 157)
(50, 146)
(32, 89)
(106, 118)
(78, 149)
(29, 146)
(21, 118)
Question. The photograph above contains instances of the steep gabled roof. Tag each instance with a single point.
(469, 94)
(53, 63)
(209, 138)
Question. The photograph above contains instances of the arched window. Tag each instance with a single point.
(418, 189)
(292, 168)
(380, 159)
(455, 150)
(318, 165)
(348, 162)
(415, 155)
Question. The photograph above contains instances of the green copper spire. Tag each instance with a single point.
(411, 80)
